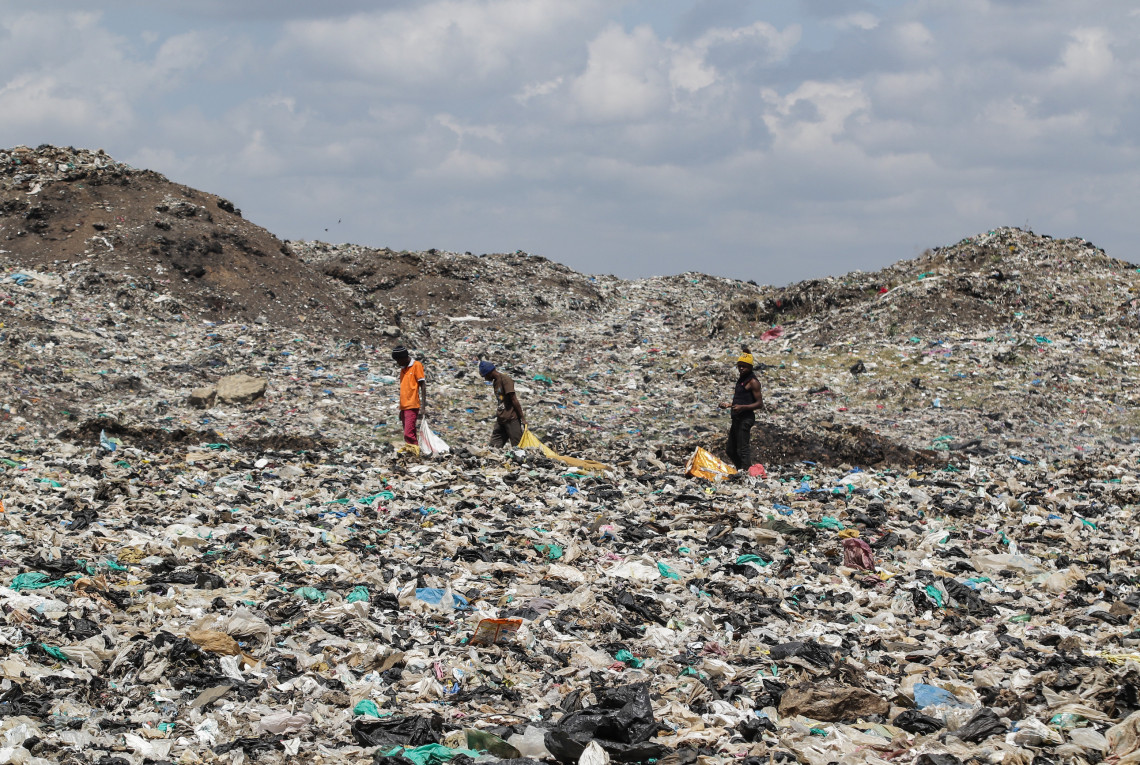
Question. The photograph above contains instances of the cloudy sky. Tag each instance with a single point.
(772, 140)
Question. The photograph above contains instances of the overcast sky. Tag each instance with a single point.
(772, 140)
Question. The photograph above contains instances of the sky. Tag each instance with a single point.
(770, 140)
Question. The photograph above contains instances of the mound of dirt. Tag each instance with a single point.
(834, 445)
(405, 286)
(157, 439)
(81, 209)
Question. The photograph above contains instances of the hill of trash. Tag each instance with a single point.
(214, 549)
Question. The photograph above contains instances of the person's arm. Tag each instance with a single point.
(423, 394)
(754, 386)
(518, 408)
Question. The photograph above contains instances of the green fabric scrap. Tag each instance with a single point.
(935, 594)
(54, 652)
(311, 593)
(666, 571)
(34, 580)
(366, 707)
(431, 754)
(750, 558)
(358, 594)
(628, 659)
(551, 551)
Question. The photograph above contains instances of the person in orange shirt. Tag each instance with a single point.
(413, 392)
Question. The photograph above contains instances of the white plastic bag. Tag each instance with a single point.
(431, 445)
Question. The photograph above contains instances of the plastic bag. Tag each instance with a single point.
(980, 727)
(913, 721)
(491, 631)
(857, 554)
(530, 441)
(397, 731)
(430, 444)
(704, 465)
(621, 723)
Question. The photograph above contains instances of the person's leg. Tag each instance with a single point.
(744, 441)
(731, 444)
(514, 431)
(498, 436)
(409, 416)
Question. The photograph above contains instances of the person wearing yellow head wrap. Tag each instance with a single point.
(746, 399)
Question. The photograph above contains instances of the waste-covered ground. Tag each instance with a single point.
(938, 563)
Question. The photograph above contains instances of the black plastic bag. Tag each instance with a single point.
(980, 727)
(752, 729)
(14, 703)
(81, 519)
(808, 649)
(56, 567)
(621, 722)
(250, 744)
(913, 721)
(379, 758)
(937, 759)
(181, 576)
(648, 609)
(208, 581)
(408, 732)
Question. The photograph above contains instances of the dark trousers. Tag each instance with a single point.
(739, 444)
(511, 430)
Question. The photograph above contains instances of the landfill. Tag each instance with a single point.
(216, 548)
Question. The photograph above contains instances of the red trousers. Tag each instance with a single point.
(409, 417)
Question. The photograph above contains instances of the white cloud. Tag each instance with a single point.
(914, 39)
(181, 53)
(1087, 58)
(537, 89)
(486, 132)
(860, 20)
(465, 167)
(814, 116)
(624, 79)
(29, 102)
(448, 43)
(774, 45)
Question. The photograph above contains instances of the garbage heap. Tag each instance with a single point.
(214, 549)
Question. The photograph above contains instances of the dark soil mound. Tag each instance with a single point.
(63, 206)
(157, 439)
(833, 445)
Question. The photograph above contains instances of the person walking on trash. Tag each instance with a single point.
(413, 392)
(510, 421)
(746, 399)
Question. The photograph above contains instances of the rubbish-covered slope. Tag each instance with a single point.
(939, 564)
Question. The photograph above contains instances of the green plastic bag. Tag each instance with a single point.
(366, 707)
(311, 593)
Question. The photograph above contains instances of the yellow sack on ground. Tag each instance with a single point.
(528, 441)
(704, 465)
